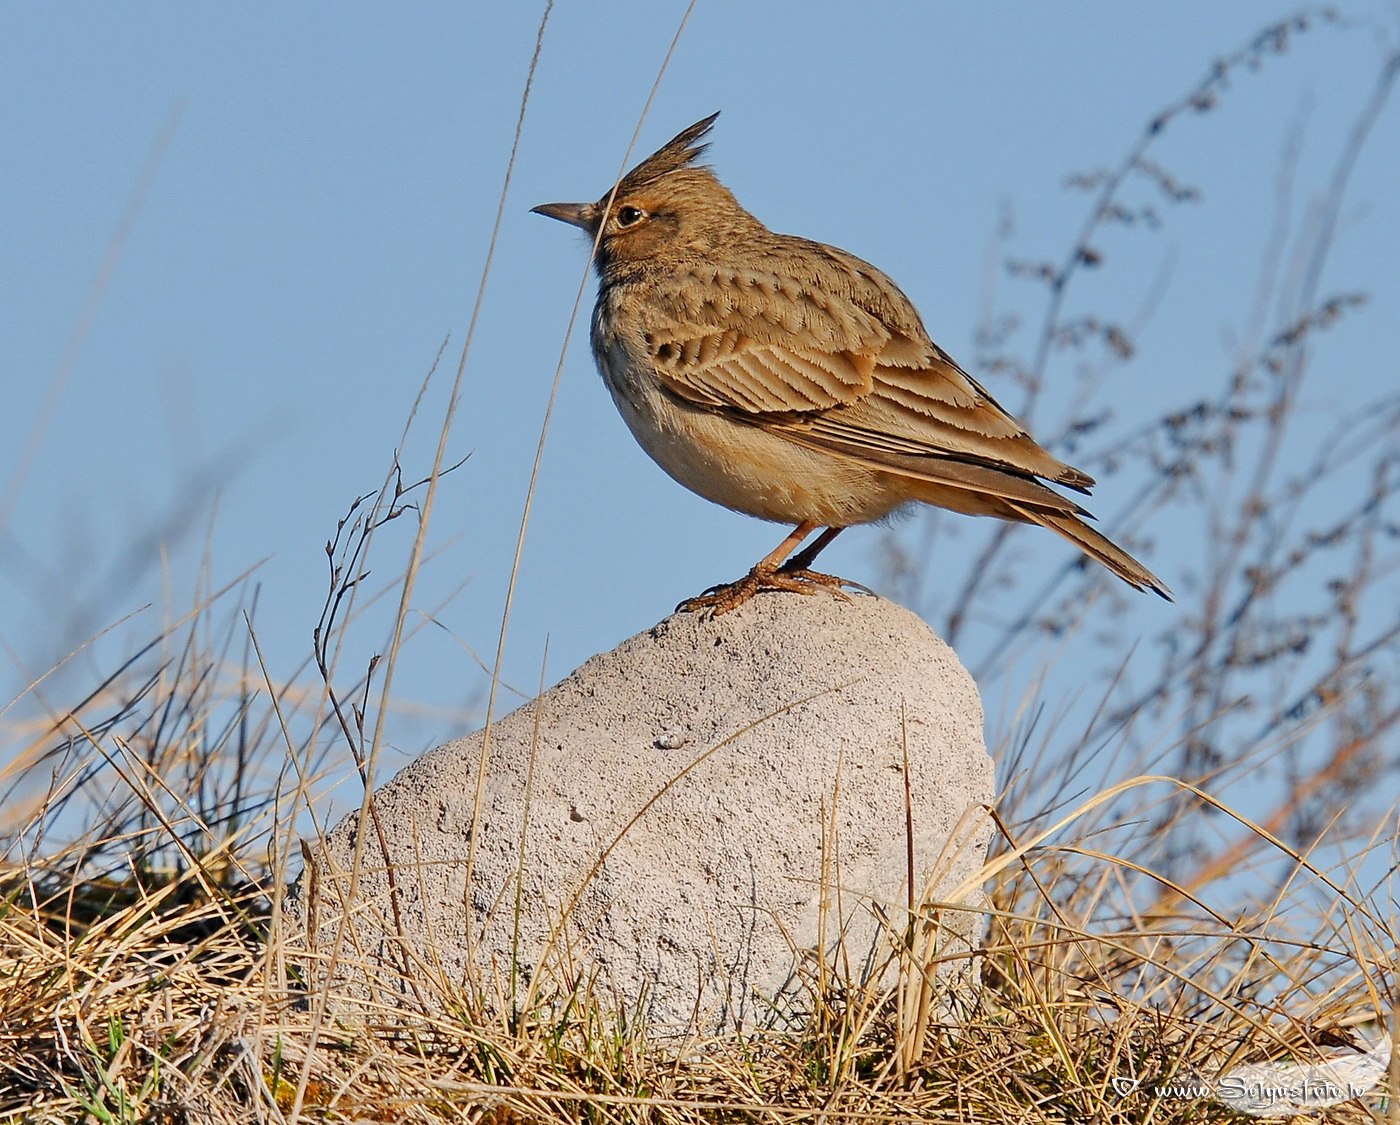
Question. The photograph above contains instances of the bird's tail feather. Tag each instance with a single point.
(1098, 547)
(978, 490)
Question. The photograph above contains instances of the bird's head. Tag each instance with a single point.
(666, 206)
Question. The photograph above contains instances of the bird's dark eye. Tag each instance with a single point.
(630, 216)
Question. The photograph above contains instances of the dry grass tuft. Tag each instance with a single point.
(168, 994)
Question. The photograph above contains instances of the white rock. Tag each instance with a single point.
(675, 817)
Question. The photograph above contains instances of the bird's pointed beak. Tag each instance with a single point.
(576, 214)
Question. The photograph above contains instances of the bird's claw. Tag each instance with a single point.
(730, 595)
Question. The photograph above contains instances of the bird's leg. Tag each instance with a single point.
(778, 555)
(774, 572)
(798, 566)
(804, 559)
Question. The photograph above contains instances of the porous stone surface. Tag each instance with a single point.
(679, 823)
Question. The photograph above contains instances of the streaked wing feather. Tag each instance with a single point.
(949, 471)
(730, 370)
(934, 429)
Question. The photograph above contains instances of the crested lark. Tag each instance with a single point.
(794, 382)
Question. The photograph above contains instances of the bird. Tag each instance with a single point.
(792, 381)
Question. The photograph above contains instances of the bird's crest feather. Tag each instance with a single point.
(681, 151)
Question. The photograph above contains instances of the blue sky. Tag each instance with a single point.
(316, 226)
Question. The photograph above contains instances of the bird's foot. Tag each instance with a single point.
(762, 579)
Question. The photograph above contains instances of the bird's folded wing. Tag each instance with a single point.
(849, 365)
(853, 404)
